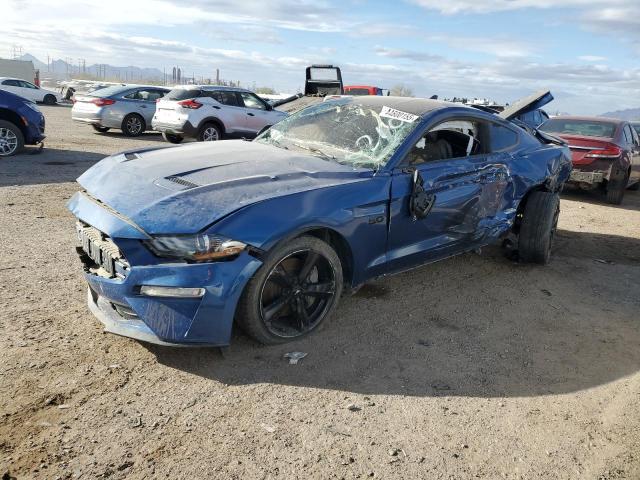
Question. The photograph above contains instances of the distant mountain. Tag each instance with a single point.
(61, 68)
(628, 114)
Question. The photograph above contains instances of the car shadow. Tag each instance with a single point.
(631, 200)
(148, 136)
(50, 165)
(473, 325)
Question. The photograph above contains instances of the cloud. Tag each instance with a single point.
(498, 46)
(407, 54)
(592, 58)
(452, 7)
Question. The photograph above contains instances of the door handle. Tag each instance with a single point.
(143, 106)
(251, 114)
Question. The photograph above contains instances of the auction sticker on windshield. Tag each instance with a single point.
(389, 112)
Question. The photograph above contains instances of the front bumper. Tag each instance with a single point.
(205, 321)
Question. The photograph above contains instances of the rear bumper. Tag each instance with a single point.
(589, 178)
(89, 120)
(185, 129)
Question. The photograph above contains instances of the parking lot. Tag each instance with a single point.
(474, 367)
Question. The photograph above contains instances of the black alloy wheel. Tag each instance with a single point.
(295, 290)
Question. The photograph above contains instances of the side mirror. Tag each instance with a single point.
(269, 107)
(420, 202)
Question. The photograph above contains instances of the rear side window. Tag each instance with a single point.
(225, 98)
(11, 83)
(183, 94)
(502, 138)
(147, 95)
(628, 136)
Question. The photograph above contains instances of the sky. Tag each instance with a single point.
(586, 52)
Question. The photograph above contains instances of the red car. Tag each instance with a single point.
(605, 153)
(362, 90)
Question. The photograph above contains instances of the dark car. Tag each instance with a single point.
(21, 123)
(605, 152)
(177, 243)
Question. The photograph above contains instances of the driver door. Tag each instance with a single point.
(462, 183)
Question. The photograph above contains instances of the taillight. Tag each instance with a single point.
(191, 103)
(609, 152)
(102, 102)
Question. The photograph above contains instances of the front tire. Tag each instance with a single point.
(133, 125)
(171, 138)
(538, 227)
(295, 290)
(11, 139)
(49, 100)
(100, 129)
(209, 132)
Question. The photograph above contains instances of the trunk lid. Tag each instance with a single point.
(526, 105)
(581, 145)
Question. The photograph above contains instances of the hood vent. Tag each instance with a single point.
(183, 182)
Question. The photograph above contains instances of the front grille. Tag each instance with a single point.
(99, 254)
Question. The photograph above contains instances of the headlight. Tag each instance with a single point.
(197, 248)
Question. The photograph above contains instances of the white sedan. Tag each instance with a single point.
(29, 91)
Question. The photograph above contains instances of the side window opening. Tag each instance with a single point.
(627, 134)
(449, 140)
(251, 101)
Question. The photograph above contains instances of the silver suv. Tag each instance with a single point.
(208, 113)
(129, 108)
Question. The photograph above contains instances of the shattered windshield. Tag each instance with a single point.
(345, 132)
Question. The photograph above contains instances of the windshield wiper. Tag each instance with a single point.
(316, 151)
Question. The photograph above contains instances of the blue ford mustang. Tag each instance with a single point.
(179, 243)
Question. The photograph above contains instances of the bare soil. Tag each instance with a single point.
(475, 367)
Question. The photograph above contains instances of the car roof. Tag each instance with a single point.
(415, 106)
(616, 121)
(212, 87)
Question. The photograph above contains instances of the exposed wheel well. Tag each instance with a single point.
(14, 118)
(523, 204)
(340, 245)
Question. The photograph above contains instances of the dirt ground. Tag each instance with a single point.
(475, 367)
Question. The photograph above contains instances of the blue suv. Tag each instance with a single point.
(21, 123)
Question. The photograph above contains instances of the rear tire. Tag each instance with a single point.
(538, 227)
(11, 139)
(209, 132)
(287, 299)
(49, 100)
(171, 138)
(616, 187)
(100, 129)
(133, 125)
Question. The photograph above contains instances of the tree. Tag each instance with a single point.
(401, 91)
(265, 90)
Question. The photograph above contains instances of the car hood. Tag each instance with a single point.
(183, 190)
